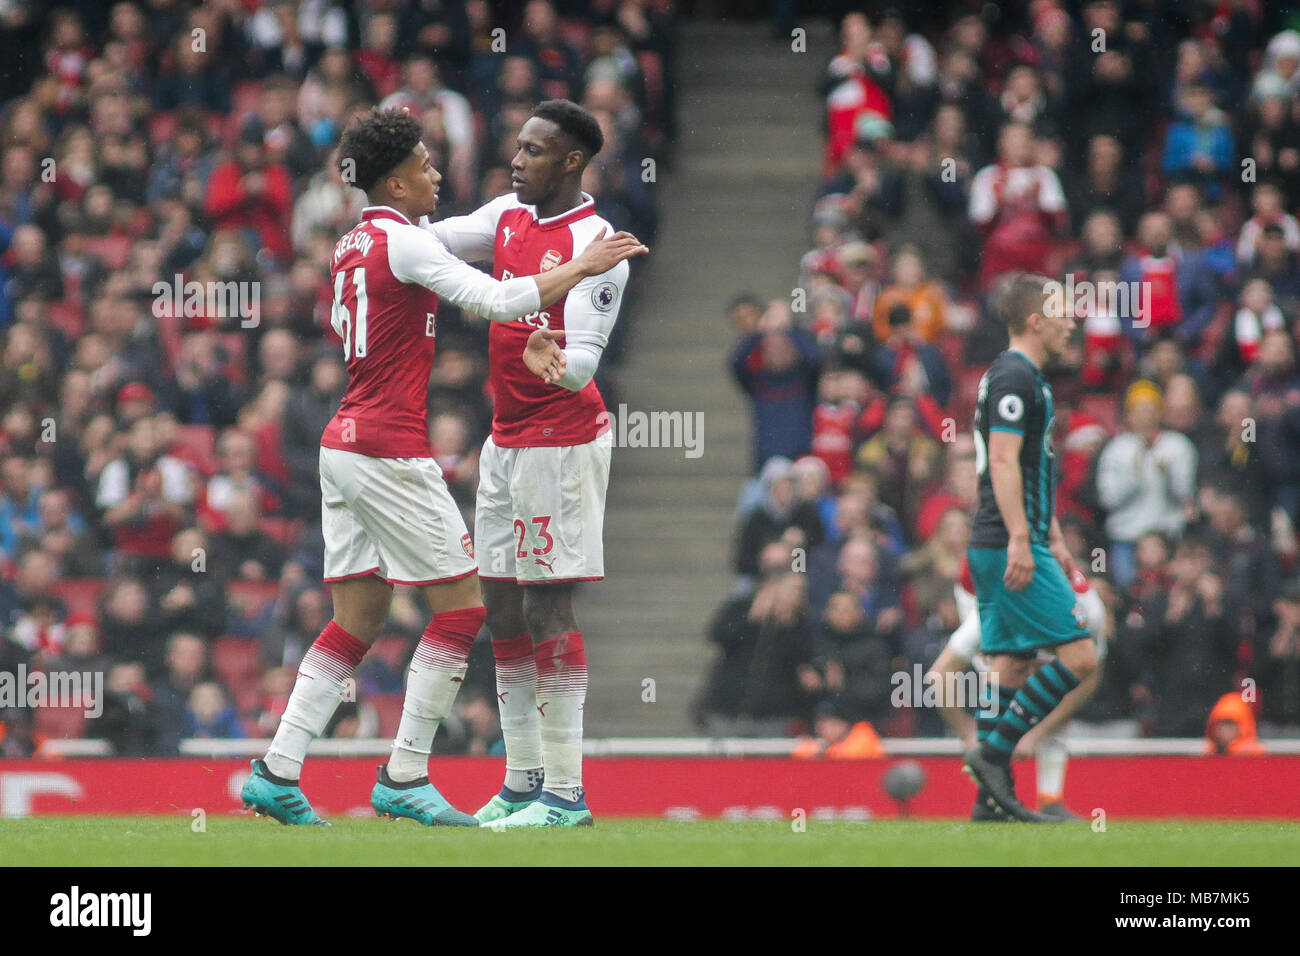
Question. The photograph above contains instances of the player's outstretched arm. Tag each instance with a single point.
(415, 255)
(471, 237)
(599, 257)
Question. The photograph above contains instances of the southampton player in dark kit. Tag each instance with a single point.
(1017, 554)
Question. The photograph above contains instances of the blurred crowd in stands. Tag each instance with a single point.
(1148, 147)
(159, 497)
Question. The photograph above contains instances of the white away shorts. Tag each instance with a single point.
(541, 512)
(393, 517)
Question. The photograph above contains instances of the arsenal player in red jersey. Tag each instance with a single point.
(387, 515)
(544, 469)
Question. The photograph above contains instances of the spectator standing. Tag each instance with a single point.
(1146, 479)
(778, 366)
(779, 511)
(1018, 205)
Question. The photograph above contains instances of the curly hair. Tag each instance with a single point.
(375, 144)
(575, 122)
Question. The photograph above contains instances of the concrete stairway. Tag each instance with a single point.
(734, 215)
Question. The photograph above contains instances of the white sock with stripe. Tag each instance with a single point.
(561, 695)
(323, 675)
(521, 727)
(435, 677)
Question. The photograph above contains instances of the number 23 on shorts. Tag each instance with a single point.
(541, 535)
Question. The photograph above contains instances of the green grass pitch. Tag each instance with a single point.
(171, 841)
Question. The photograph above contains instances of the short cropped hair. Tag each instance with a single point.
(575, 122)
(1020, 295)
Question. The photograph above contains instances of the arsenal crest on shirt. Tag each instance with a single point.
(550, 260)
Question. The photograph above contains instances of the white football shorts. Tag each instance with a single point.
(540, 512)
(393, 517)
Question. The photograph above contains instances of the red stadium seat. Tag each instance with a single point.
(283, 531)
(161, 127)
(81, 594)
(255, 594)
(910, 606)
(1153, 157)
(962, 403)
(61, 723)
(216, 126)
(270, 457)
(228, 134)
(235, 661)
(113, 251)
(575, 33)
(169, 337)
(953, 347)
(389, 709)
(243, 103)
(1212, 335)
(1104, 408)
(901, 722)
(968, 381)
(1063, 254)
(244, 100)
(197, 444)
(393, 649)
(68, 317)
(236, 346)
(246, 696)
(652, 67)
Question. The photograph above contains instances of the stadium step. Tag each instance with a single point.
(734, 215)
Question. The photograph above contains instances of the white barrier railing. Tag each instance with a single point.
(683, 747)
(713, 747)
(79, 748)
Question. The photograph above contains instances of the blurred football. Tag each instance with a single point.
(904, 780)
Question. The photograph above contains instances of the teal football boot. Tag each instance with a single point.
(417, 800)
(507, 803)
(548, 811)
(268, 796)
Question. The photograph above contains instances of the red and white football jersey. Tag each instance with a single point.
(387, 275)
(527, 412)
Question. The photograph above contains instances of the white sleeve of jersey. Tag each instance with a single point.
(590, 312)
(472, 237)
(114, 485)
(1051, 197)
(983, 202)
(416, 256)
(176, 486)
